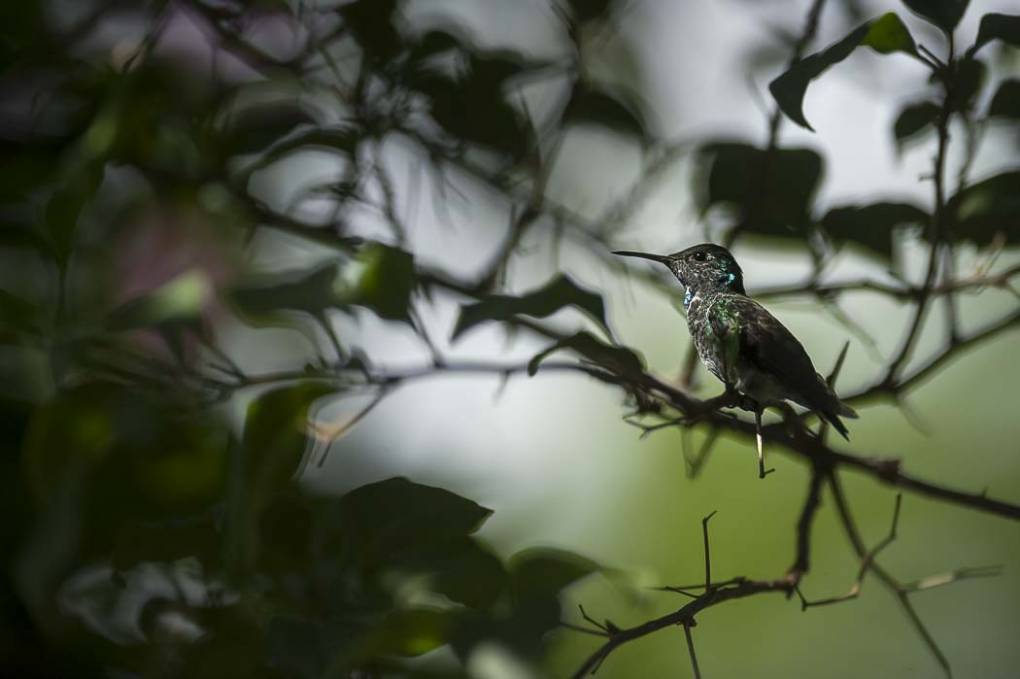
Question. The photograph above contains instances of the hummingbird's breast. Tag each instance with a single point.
(707, 341)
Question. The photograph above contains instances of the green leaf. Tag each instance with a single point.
(871, 226)
(547, 300)
(913, 119)
(181, 299)
(990, 208)
(398, 520)
(945, 14)
(885, 35)
(1004, 27)
(410, 633)
(616, 359)
(774, 190)
(275, 435)
(385, 283)
(888, 34)
(1006, 102)
(610, 110)
(263, 297)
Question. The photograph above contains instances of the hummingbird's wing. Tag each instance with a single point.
(772, 349)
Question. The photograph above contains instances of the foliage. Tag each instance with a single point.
(132, 188)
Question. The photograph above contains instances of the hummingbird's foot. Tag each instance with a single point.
(762, 472)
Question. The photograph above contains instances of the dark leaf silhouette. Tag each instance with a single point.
(970, 77)
(1004, 27)
(1006, 102)
(914, 119)
(543, 573)
(616, 359)
(771, 191)
(871, 226)
(945, 14)
(256, 127)
(588, 10)
(398, 519)
(988, 209)
(545, 301)
(885, 35)
(262, 298)
(599, 107)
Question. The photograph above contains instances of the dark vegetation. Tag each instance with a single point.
(120, 468)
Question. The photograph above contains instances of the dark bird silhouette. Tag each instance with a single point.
(740, 342)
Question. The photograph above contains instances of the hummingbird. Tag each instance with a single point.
(741, 343)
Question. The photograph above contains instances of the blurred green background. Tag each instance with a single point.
(225, 223)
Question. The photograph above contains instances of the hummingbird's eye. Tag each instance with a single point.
(700, 256)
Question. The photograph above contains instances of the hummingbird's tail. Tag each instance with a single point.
(828, 405)
(837, 424)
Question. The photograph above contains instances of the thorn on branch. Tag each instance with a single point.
(866, 562)
(708, 553)
(607, 628)
(690, 647)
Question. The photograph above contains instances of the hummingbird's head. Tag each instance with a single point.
(701, 268)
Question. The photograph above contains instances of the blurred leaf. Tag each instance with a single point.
(547, 300)
(871, 226)
(467, 573)
(1004, 27)
(25, 170)
(295, 291)
(76, 430)
(256, 127)
(181, 299)
(232, 645)
(16, 314)
(275, 435)
(20, 26)
(385, 283)
(1006, 102)
(885, 35)
(595, 107)
(474, 107)
(165, 542)
(970, 76)
(297, 646)
(589, 10)
(538, 578)
(64, 209)
(945, 14)
(987, 209)
(397, 519)
(913, 119)
(285, 534)
(542, 573)
(620, 360)
(372, 23)
(131, 455)
(410, 633)
(773, 192)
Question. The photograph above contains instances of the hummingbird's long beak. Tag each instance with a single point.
(662, 259)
